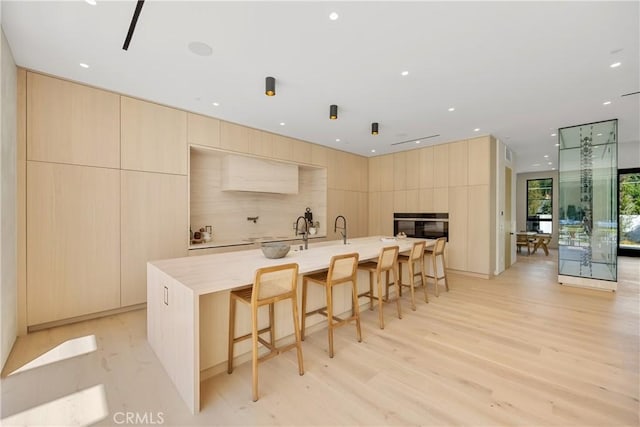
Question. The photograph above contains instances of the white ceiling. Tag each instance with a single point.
(516, 70)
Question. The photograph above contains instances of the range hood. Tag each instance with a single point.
(242, 173)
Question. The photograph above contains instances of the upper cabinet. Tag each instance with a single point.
(203, 130)
(234, 137)
(72, 123)
(479, 160)
(154, 137)
(458, 163)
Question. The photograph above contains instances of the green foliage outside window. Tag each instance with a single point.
(539, 197)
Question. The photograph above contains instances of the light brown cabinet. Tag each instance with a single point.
(203, 130)
(72, 123)
(153, 137)
(478, 232)
(441, 166)
(154, 226)
(458, 227)
(480, 160)
(73, 241)
(458, 164)
(234, 137)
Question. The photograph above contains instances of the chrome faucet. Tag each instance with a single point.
(343, 228)
(305, 233)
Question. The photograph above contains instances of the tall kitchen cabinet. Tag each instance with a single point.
(106, 191)
(154, 191)
(72, 200)
(457, 178)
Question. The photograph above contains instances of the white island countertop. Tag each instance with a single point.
(219, 272)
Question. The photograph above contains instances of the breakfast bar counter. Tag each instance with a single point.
(181, 320)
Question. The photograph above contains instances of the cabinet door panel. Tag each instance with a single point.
(72, 123)
(234, 137)
(202, 130)
(478, 228)
(399, 171)
(154, 137)
(458, 163)
(426, 167)
(479, 161)
(458, 228)
(73, 241)
(441, 165)
(154, 226)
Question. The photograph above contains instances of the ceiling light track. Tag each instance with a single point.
(132, 26)
(416, 139)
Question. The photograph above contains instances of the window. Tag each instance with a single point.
(540, 205)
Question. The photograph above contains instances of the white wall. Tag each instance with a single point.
(629, 155)
(8, 208)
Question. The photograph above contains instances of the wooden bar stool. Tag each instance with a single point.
(387, 261)
(435, 251)
(270, 285)
(342, 269)
(413, 260)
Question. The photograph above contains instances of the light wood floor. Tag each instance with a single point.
(515, 350)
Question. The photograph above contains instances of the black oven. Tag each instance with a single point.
(425, 225)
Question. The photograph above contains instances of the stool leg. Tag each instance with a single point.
(272, 325)
(330, 319)
(356, 309)
(254, 356)
(444, 274)
(304, 308)
(232, 324)
(296, 328)
(435, 273)
(400, 275)
(370, 290)
(380, 315)
(424, 280)
(411, 284)
(395, 279)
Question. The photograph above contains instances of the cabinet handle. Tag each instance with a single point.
(166, 296)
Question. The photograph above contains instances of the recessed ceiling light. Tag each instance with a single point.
(282, 123)
(546, 156)
(373, 151)
(83, 65)
(536, 164)
(333, 16)
(557, 145)
(606, 103)
(215, 104)
(405, 73)
(615, 64)
(452, 109)
(554, 134)
(549, 163)
(91, 2)
(553, 169)
(337, 139)
(476, 130)
(417, 142)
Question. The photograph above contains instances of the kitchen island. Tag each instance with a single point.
(179, 323)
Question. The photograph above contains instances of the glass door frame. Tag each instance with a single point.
(625, 251)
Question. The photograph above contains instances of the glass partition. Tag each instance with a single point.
(588, 205)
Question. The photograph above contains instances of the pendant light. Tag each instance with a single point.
(374, 128)
(333, 112)
(270, 86)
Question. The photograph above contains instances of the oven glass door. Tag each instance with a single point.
(407, 227)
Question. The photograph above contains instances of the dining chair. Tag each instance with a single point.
(437, 252)
(387, 262)
(415, 267)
